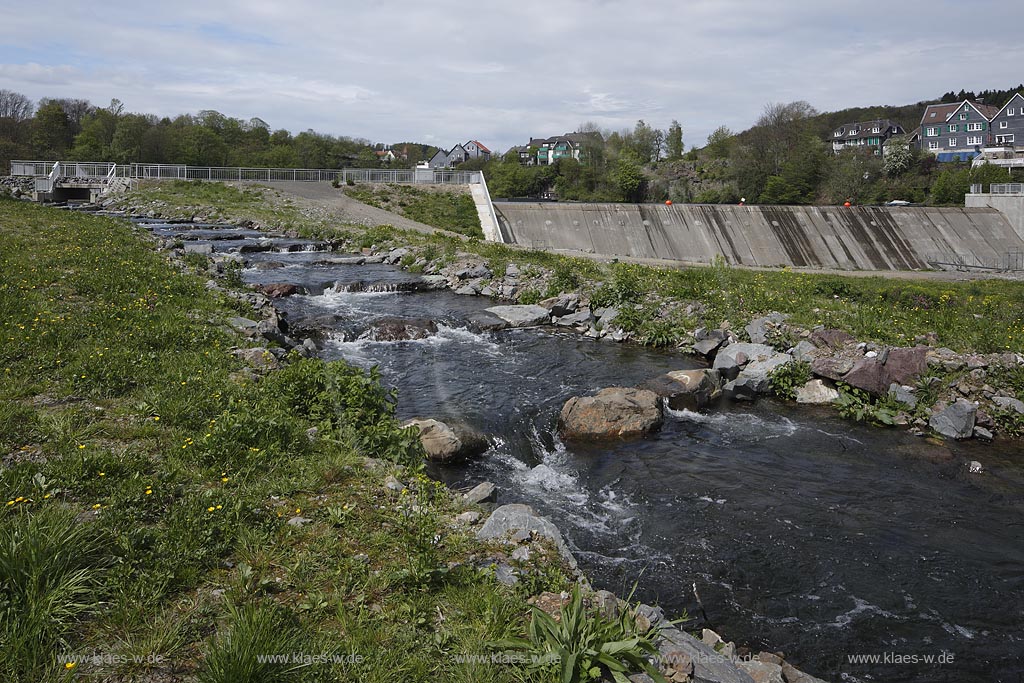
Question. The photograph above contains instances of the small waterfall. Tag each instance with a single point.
(372, 287)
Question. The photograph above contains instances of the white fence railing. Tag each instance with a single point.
(106, 170)
(1006, 188)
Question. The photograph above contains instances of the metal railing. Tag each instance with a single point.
(1011, 261)
(107, 170)
(1006, 188)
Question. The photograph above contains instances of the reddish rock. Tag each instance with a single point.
(870, 375)
(906, 365)
(279, 290)
(835, 339)
(831, 368)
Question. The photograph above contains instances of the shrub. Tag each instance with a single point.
(786, 379)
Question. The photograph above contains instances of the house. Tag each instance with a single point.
(956, 131)
(523, 153)
(385, 155)
(457, 155)
(1004, 144)
(439, 160)
(865, 135)
(567, 146)
(476, 150)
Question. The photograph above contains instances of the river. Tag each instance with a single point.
(803, 533)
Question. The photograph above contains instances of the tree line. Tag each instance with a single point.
(77, 130)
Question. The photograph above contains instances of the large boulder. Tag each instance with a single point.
(731, 359)
(399, 329)
(955, 421)
(561, 305)
(870, 375)
(527, 315)
(754, 378)
(686, 389)
(447, 443)
(709, 665)
(906, 365)
(613, 412)
(509, 519)
(279, 290)
(831, 367)
(835, 339)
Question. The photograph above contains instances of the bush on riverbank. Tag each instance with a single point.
(161, 504)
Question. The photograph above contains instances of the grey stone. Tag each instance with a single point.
(243, 324)
(804, 351)
(709, 666)
(613, 412)
(470, 517)
(753, 379)
(870, 375)
(762, 672)
(484, 492)
(512, 270)
(835, 339)
(1009, 403)
(432, 282)
(708, 347)
(686, 389)
(582, 317)
(508, 519)
(904, 395)
(393, 484)
(831, 368)
(982, 433)
(522, 536)
(505, 574)
(467, 290)
(473, 272)
(395, 255)
(482, 321)
(955, 421)
(445, 443)
(563, 304)
(735, 356)
(975, 467)
(299, 521)
(198, 248)
(816, 392)
(607, 604)
(606, 315)
(521, 554)
(758, 328)
(527, 315)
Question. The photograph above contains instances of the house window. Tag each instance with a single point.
(952, 142)
(1004, 124)
(1004, 139)
(931, 132)
(953, 127)
(933, 144)
(973, 139)
(1010, 111)
(974, 126)
(963, 116)
(875, 129)
(838, 133)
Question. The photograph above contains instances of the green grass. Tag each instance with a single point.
(147, 485)
(448, 210)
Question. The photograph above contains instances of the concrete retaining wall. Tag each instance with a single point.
(1010, 205)
(863, 238)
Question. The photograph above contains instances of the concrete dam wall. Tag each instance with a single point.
(861, 238)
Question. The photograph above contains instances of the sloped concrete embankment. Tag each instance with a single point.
(849, 238)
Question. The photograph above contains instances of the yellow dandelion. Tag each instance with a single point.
(149, 491)
(102, 474)
(70, 665)
(298, 510)
(210, 509)
(81, 446)
(10, 502)
(97, 506)
(225, 479)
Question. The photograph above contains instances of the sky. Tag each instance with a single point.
(443, 71)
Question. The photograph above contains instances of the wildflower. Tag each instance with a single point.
(102, 474)
(81, 446)
(219, 507)
(298, 510)
(210, 509)
(10, 502)
(156, 418)
(149, 491)
(19, 499)
(70, 665)
(97, 506)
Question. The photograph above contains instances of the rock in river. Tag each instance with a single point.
(446, 443)
(615, 411)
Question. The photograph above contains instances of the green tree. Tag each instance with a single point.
(51, 132)
(674, 141)
(899, 156)
(720, 143)
(629, 178)
(850, 175)
(951, 186)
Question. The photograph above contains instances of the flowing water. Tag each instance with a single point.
(802, 532)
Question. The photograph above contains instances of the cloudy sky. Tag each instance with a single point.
(441, 71)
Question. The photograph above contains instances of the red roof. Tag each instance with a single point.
(480, 145)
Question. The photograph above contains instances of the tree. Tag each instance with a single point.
(629, 178)
(15, 106)
(720, 143)
(899, 156)
(51, 132)
(674, 141)
(849, 175)
(951, 186)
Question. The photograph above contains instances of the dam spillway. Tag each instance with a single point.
(828, 237)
